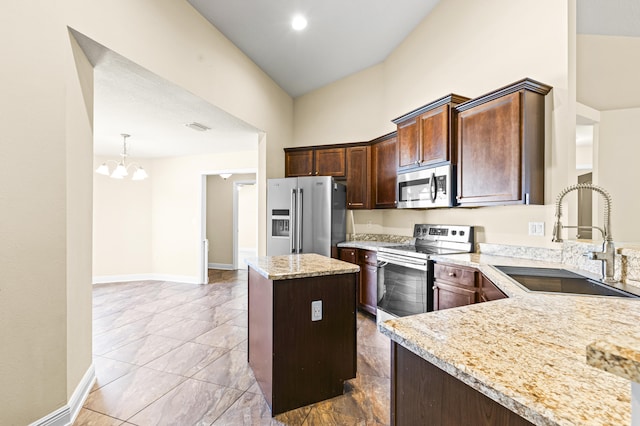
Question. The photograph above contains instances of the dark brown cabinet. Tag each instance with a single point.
(315, 162)
(425, 135)
(500, 146)
(348, 255)
(358, 177)
(297, 361)
(367, 260)
(423, 394)
(489, 291)
(454, 286)
(384, 160)
(368, 280)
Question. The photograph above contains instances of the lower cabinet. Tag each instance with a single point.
(455, 286)
(423, 394)
(368, 281)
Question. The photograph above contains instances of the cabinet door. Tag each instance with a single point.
(298, 163)
(408, 144)
(489, 152)
(358, 178)
(330, 162)
(384, 160)
(447, 296)
(368, 287)
(489, 291)
(434, 135)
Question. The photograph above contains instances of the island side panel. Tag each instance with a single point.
(421, 393)
(261, 331)
(312, 359)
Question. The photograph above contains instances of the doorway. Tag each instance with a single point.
(229, 220)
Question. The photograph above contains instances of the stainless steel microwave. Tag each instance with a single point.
(426, 188)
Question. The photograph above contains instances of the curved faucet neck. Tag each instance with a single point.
(557, 229)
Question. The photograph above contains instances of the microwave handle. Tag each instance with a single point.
(433, 187)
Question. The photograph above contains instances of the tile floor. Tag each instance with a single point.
(176, 354)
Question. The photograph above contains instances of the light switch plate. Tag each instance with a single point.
(536, 229)
(316, 310)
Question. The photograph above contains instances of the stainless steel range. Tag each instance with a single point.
(405, 271)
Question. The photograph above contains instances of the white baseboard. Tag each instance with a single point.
(225, 266)
(66, 415)
(102, 279)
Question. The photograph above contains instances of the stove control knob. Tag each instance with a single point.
(454, 232)
(462, 233)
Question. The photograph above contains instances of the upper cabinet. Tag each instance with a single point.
(425, 135)
(384, 160)
(500, 146)
(315, 162)
(359, 177)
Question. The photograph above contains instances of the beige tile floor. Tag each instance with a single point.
(176, 354)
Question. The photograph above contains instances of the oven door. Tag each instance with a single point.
(402, 287)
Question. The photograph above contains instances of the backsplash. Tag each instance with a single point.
(386, 238)
(627, 267)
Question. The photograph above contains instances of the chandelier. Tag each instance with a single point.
(122, 168)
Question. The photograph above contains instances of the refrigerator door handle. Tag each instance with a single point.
(299, 222)
(292, 216)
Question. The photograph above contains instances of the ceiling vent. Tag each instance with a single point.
(197, 126)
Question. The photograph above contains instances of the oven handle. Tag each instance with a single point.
(421, 266)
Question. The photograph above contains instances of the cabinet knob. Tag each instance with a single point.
(310, 173)
(452, 274)
(366, 257)
(434, 287)
(317, 173)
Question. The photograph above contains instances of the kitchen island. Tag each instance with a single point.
(526, 354)
(302, 328)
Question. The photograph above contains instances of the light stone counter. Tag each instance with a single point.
(366, 245)
(528, 352)
(299, 266)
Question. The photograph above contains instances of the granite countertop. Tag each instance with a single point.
(367, 245)
(529, 352)
(299, 266)
(617, 354)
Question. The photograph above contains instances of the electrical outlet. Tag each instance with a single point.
(536, 229)
(316, 310)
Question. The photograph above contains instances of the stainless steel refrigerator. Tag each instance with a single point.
(305, 215)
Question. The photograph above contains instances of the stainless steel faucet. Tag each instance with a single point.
(607, 255)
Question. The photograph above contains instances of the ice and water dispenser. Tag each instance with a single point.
(280, 223)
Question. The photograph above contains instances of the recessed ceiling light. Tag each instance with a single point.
(299, 23)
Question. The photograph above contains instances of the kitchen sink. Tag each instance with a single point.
(556, 280)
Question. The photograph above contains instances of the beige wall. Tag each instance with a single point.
(248, 217)
(468, 48)
(176, 198)
(34, 213)
(122, 223)
(220, 217)
(618, 170)
(45, 252)
(607, 71)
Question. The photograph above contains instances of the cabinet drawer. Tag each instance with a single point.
(368, 257)
(348, 255)
(455, 274)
